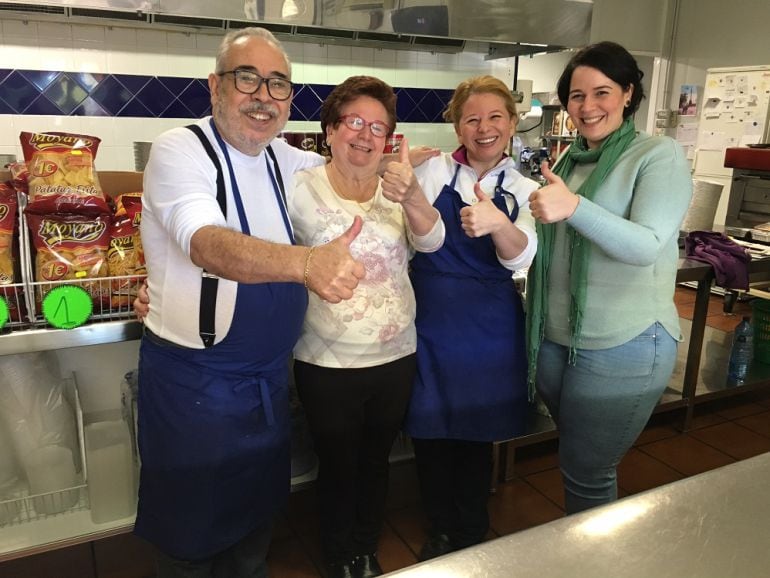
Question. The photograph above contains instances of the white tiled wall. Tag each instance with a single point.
(116, 49)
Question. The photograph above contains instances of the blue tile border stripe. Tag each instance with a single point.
(58, 93)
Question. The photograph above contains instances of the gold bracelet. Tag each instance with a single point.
(307, 265)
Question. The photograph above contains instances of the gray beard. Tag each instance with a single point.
(243, 145)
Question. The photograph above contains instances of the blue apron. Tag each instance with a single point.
(471, 360)
(214, 423)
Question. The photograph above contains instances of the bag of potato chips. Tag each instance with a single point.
(125, 256)
(10, 290)
(19, 177)
(72, 248)
(62, 177)
(7, 227)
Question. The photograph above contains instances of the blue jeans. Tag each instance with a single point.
(600, 406)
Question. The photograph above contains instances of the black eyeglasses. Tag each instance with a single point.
(249, 82)
(356, 123)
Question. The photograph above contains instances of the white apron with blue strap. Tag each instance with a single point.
(214, 423)
(471, 360)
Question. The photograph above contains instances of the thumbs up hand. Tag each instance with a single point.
(399, 183)
(553, 202)
(483, 217)
(330, 270)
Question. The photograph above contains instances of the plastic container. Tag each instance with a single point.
(52, 479)
(141, 154)
(742, 351)
(761, 320)
(9, 506)
(110, 464)
(50, 472)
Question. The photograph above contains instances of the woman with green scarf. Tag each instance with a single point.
(602, 324)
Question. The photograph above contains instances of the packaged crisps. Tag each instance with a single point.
(10, 292)
(125, 256)
(8, 206)
(128, 203)
(14, 299)
(62, 178)
(19, 177)
(72, 248)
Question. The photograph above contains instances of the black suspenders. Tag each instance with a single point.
(278, 176)
(209, 282)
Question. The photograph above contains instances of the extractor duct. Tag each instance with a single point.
(509, 27)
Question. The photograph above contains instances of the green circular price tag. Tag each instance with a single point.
(67, 307)
(4, 313)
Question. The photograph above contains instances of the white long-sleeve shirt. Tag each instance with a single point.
(438, 171)
(180, 197)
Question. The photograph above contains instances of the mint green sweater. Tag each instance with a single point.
(633, 223)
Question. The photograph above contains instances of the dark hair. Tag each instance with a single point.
(612, 60)
(478, 85)
(353, 88)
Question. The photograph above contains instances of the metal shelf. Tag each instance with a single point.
(111, 320)
(48, 339)
(61, 531)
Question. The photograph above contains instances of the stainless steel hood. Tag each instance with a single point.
(510, 27)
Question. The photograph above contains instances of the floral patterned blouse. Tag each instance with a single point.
(376, 325)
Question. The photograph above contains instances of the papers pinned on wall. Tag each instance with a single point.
(713, 140)
(712, 108)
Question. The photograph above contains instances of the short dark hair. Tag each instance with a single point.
(350, 90)
(612, 60)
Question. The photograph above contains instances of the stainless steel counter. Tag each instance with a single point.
(714, 525)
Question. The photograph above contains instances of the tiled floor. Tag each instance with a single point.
(723, 431)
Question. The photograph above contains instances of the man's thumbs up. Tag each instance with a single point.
(330, 270)
(355, 228)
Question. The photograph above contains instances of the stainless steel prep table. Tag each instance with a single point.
(703, 275)
(713, 525)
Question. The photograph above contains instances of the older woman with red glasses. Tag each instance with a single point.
(355, 360)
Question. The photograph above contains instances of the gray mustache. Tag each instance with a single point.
(260, 107)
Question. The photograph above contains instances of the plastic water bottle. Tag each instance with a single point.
(742, 351)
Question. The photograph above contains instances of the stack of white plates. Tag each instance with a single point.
(141, 154)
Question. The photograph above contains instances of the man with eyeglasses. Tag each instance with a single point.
(225, 279)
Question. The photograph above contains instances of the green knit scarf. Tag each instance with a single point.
(605, 158)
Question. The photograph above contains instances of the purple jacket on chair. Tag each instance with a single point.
(729, 260)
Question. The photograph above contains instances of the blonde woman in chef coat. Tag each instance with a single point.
(471, 386)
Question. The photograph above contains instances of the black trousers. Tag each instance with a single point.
(455, 477)
(245, 559)
(354, 417)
